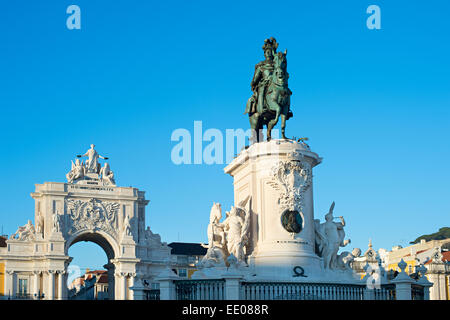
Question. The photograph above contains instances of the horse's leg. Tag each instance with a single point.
(275, 107)
(283, 126)
(254, 127)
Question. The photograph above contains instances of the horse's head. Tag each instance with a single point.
(280, 75)
(216, 213)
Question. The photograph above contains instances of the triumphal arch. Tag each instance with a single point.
(88, 207)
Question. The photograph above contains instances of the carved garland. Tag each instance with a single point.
(92, 215)
(292, 179)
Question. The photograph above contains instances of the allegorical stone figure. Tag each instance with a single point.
(56, 222)
(25, 233)
(92, 165)
(107, 174)
(127, 226)
(228, 237)
(236, 227)
(77, 171)
(329, 237)
(271, 95)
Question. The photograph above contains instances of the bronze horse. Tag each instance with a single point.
(276, 102)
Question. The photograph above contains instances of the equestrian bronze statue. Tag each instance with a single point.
(271, 95)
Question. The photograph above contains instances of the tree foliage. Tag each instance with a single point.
(443, 233)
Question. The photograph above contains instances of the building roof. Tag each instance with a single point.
(96, 272)
(3, 242)
(188, 249)
(103, 278)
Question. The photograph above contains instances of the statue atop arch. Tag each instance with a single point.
(92, 165)
(91, 169)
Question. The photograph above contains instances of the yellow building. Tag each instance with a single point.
(2, 268)
(434, 255)
(185, 256)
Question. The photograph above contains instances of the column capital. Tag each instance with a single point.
(37, 272)
(10, 272)
(51, 271)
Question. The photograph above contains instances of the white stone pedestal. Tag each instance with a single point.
(278, 177)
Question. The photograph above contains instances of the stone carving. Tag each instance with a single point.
(56, 222)
(216, 254)
(329, 237)
(236, 228)
(437, 256)
(107, 175)
(215, 230)
(214, 257)
(92, 215)
(91, 170)
(152, 239)
(356, 252)
(229, 237)
(233, 262)
(77, 172)
(344, 260)
(291, 179)
(39, 224)
(92, 165)
(126, 226)
(271, 95)
(25, 233)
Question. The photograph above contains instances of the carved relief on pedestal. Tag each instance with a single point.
(291, 179)
(92, 215)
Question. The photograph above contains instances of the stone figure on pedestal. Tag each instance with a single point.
(56, 222)
(127, 226)
(39, 224)
(329, 237)
(92, 165)
(271, 95)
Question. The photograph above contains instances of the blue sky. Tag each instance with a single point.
(374, 104)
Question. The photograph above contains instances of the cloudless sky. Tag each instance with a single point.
(374, 104)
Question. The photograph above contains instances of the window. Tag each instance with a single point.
(155, 286)
(182, 273)
(23, 287)
(182, 259)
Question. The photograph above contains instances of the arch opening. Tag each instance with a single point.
(92, 276)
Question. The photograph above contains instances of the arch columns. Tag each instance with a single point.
(11, 283)
(36, 284)
(51, 284)
(62, 286)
